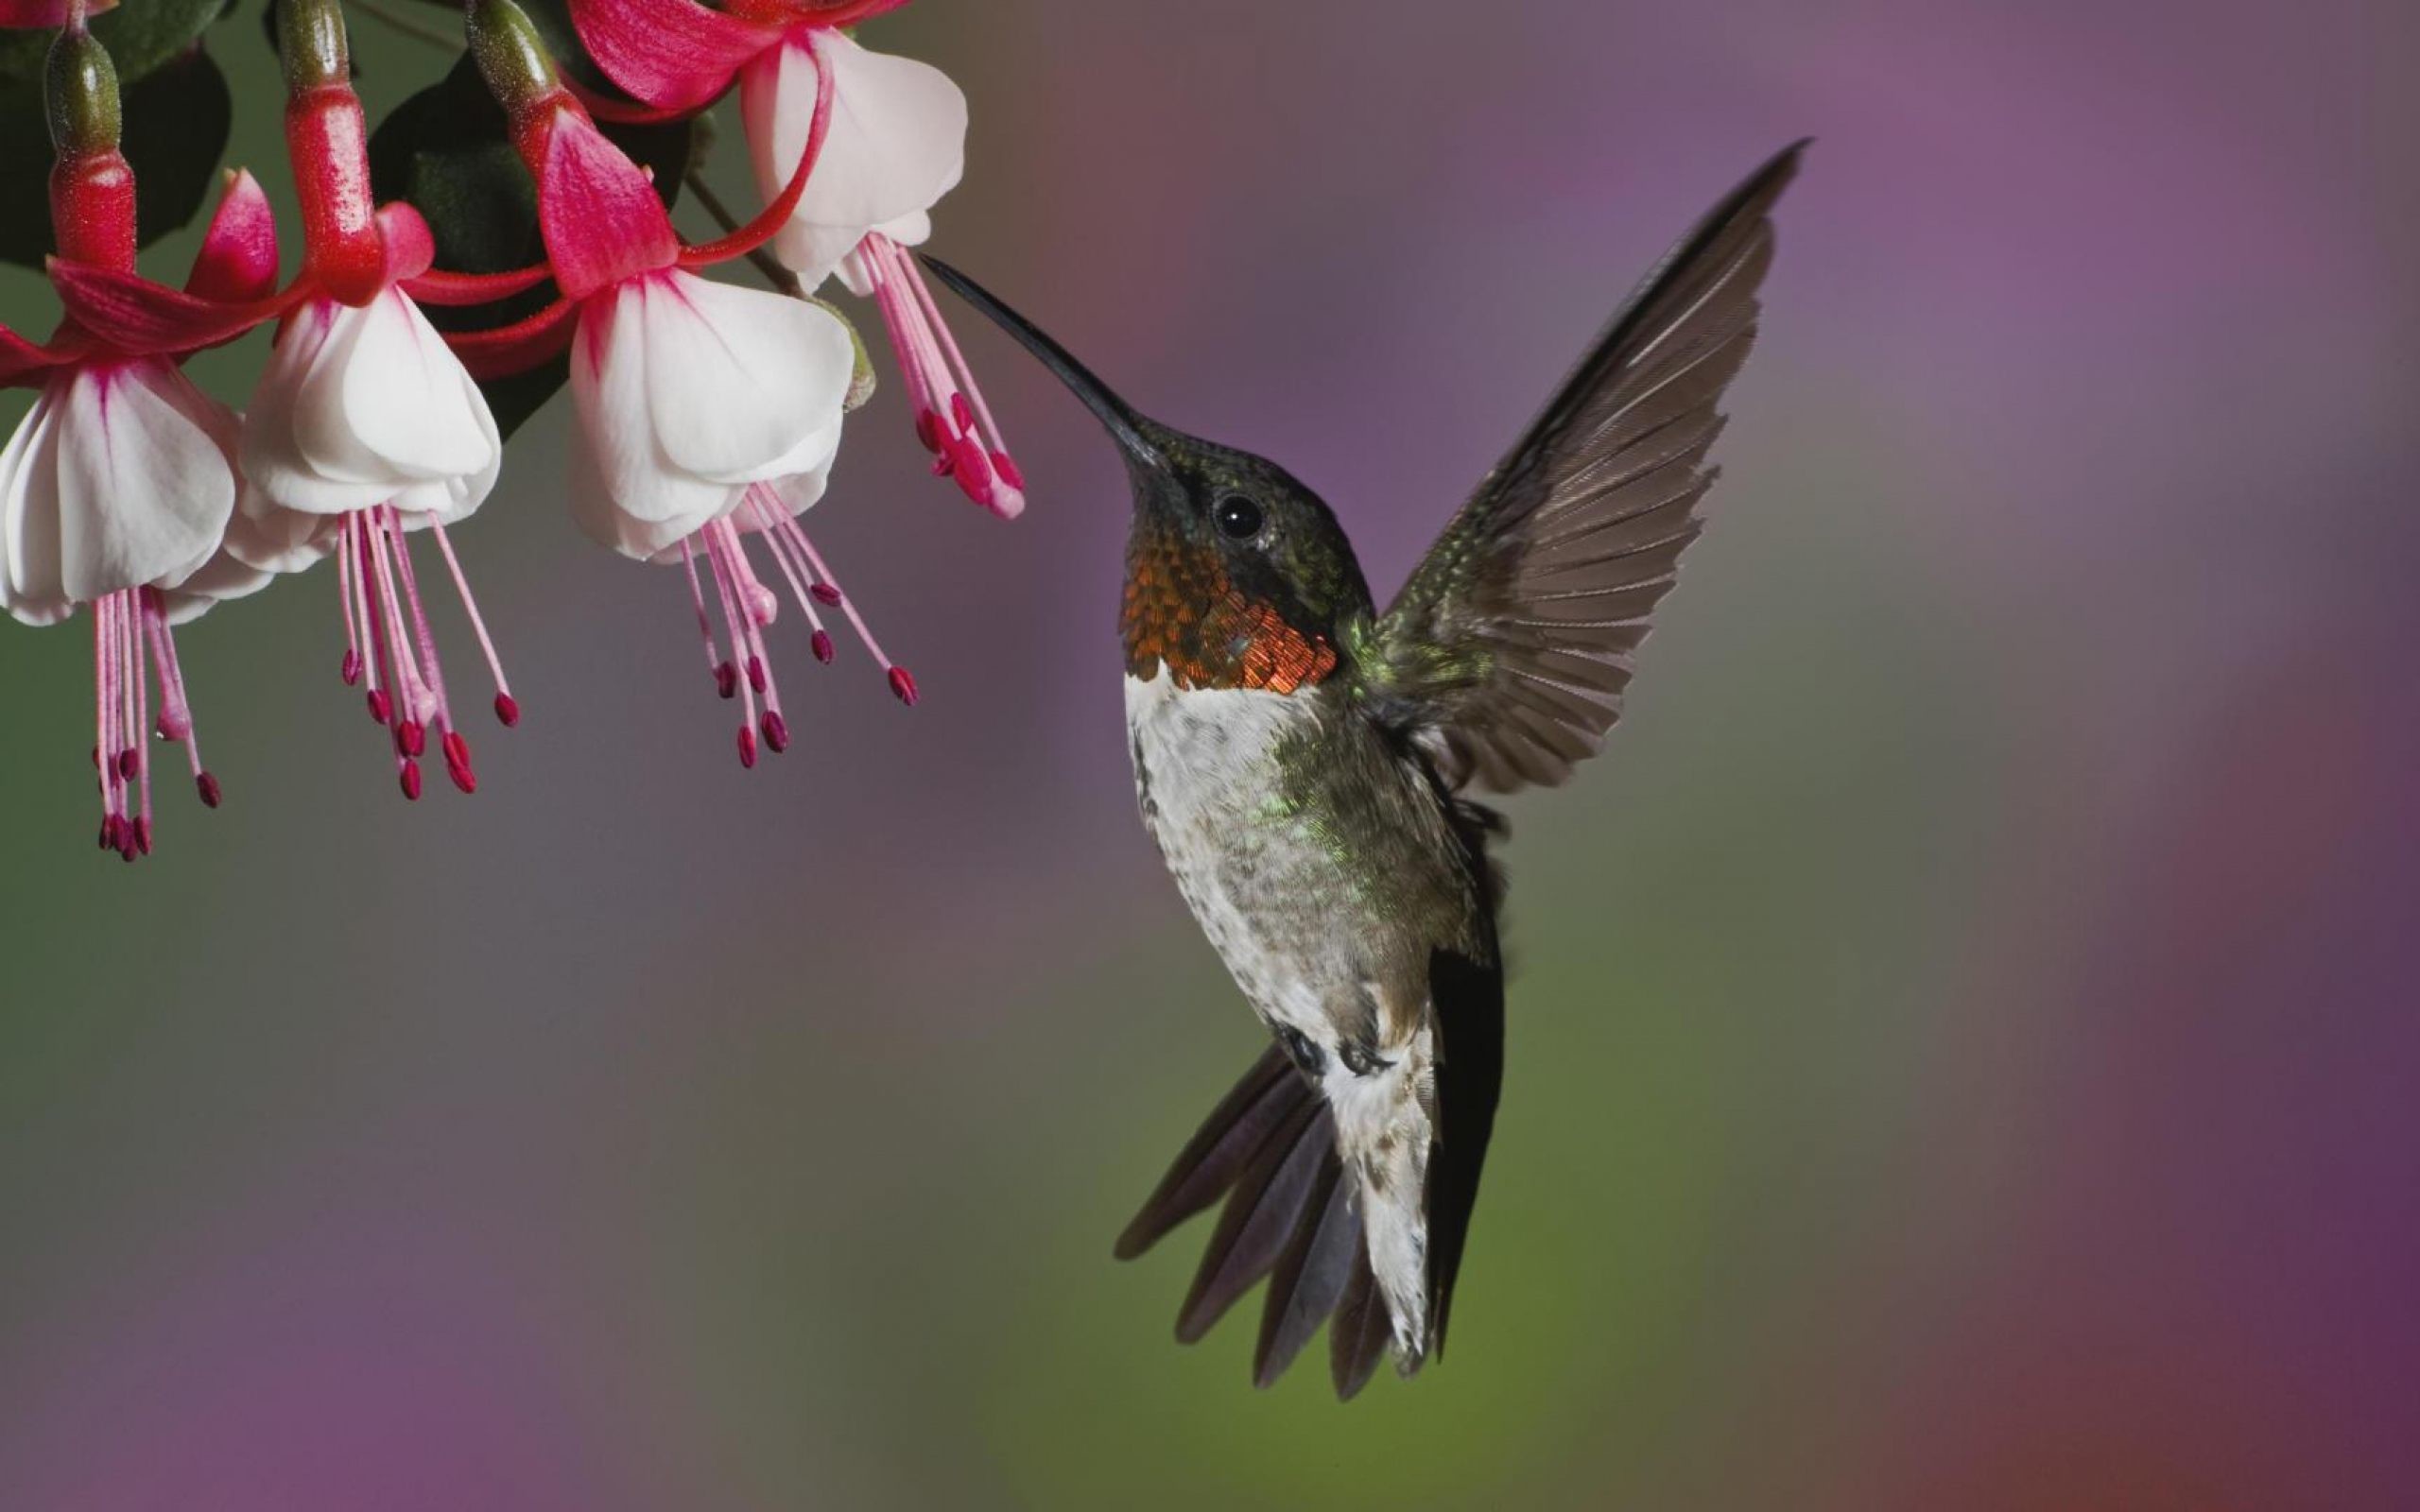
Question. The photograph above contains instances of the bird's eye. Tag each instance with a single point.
(1238, 518)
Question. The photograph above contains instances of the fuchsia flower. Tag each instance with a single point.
(116, 490)
(708, 412)
(893, 143)
(365, 425)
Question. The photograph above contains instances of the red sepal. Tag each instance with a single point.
(601, 217)
(406, 246)
(675, 55)
(516, 347)
(775, 215)
(238, 258)
(44, 15)
(437, 288)
(134, 315)
(229, 292)
(22, 360)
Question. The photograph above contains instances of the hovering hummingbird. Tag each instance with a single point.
(1302, 761)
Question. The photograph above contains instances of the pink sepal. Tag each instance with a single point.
(21, 359)
(621, 112)
(675, 55)
(237, 263)
(474, 288)
(516, 347)
(44, 15)
(134, 315)
(596, 210)
(405, 238)
(777, 215)
(410, 250)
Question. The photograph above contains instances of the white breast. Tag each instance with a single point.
(1204, 773)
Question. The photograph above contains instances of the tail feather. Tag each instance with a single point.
(1220, 1150)
(1357, 1341)
(1291, 1216)
(1310, 1277)
(1269, 1200)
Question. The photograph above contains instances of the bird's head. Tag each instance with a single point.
(1236, 575)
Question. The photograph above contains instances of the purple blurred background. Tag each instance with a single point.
(1963, 1029)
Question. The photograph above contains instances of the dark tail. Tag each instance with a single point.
(1270, 1149)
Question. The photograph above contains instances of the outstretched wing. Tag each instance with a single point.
(1507, 652)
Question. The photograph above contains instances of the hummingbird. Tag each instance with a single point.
(1307, 764)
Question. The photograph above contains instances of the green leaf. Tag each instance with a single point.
(446, 150)
(176, 121)
(142, 36)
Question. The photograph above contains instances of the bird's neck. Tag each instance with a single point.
(1184, 612)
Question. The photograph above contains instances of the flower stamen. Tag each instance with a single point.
(385, 610)
(952, 419)
(132, 650)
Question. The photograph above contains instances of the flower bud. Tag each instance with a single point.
(512, 56)
(82, 93)
(311, 43)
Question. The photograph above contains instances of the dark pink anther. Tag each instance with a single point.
(824, 650)
(905, 686)
(777, 732)
(97, 758)
(826, 596)
(208, 786)
(748, 748)
(381, 707)
(125, 844)
(962, 412)
(945, 464)
(973, 468)
(457, 762)
(410, 781)
(928, 430)
(727, 680)
(351, 670)
(411, 738)
(128, 765)
(756, 679)
(507, 712)
(109, 830)
(143, 835)
(1010, 473)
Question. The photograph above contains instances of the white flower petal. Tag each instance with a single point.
(407, 400)
(897, 143)
(29, 586)
(737, 379)
(358, 406)
(619, 463)
(146, 482)
(609, 526)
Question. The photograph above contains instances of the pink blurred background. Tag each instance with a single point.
(1963, 1031)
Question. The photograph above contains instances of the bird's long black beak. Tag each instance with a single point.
(1127, 429)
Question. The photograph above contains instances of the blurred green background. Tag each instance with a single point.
(1962, 1047)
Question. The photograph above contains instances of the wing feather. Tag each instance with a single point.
(1507, 652)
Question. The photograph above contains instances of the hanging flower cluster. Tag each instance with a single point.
(710, 413)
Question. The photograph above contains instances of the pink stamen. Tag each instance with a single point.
(133, 653)
(952, 420)
(389, 638)
(726, 676)
(749, 607)
(507, 710)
